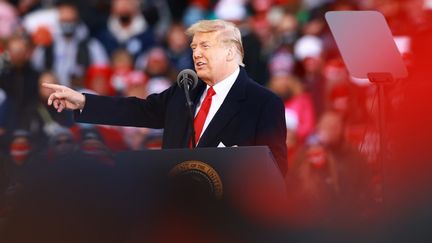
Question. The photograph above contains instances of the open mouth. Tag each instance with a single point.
(199, 64)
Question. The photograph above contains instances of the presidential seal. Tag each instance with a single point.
(202, 174)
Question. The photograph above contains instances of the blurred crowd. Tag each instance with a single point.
(137, 47)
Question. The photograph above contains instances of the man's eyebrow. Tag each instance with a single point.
(201, 43)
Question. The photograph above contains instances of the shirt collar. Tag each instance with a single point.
(222, 88)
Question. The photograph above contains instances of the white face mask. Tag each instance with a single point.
(68, 28)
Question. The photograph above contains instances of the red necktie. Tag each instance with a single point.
(202, 113)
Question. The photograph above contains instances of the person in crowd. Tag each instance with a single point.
(19, 80)
(195, 10)
(257, 39)
(157, 65)
(177, 47)
(244, 113)
(26, 6)
(72, 50)
(61, 145)
(127, 80)
(308, 51)
(139, 138)
(127, 28)
(42, 120)
(98, 79)
(342, 94)
(111, 135)
(299, 110)
(21, 152)
(286, 30)
(329, 172)
(92, 144)
(8, 20)
(122, 64)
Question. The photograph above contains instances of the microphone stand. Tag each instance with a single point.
(190, 111)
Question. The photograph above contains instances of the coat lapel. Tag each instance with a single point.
(196, 93)
(229, 108)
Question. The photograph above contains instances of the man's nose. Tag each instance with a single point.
(196, 53)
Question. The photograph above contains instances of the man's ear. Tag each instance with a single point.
(230, 54)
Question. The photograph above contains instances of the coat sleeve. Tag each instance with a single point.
(125, 111)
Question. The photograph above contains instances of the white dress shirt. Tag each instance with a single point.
(221, 89)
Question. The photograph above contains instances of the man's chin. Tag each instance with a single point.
(201, 74)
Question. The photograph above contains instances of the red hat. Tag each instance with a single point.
(99, 73)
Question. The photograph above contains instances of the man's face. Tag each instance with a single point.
(20, 149)
(177, 40)
(64, 144)
(210, 57)
(68, 17)
(68, 14)
(157, 62)
(19, 52)
(124, 7)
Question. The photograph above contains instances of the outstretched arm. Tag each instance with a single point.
(64, 97)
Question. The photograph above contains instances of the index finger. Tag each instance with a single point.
(55, 87)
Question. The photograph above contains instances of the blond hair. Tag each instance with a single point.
(228, 34)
